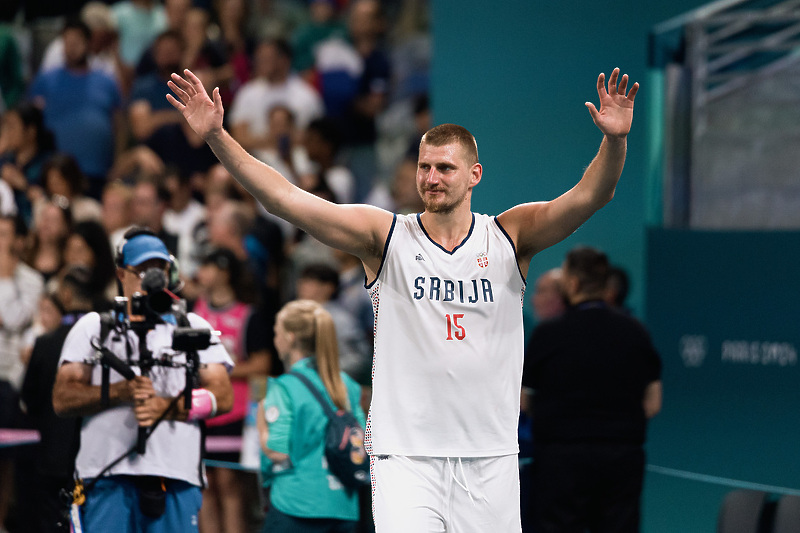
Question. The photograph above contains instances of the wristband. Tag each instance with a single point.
(204, 405)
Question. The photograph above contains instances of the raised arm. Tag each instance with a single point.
(538, 225)
(357, 229)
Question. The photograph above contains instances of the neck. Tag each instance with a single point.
(365, 44)
(583, 297)
(221, 296)
(448, 229)
(179, 203)
(278, 78)
(79, 66)
(78, 308)
(25, 154)
(293, 357)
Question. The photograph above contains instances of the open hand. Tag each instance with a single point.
(202, 114)
(616, 108)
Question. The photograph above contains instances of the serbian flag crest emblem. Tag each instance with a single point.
(483, 261)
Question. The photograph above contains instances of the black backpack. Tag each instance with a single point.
(344, 442)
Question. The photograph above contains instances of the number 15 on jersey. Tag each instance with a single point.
(454, 329)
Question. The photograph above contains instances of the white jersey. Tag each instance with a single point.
(173, 450)
(449, 344)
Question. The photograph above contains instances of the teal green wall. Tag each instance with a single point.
(517, 74)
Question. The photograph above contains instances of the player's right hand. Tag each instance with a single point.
(202, 113)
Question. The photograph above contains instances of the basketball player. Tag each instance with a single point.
(447, 288)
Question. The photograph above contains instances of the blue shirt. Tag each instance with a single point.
(79, 109)
(152, 89)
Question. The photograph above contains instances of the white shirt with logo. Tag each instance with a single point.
(449, 344)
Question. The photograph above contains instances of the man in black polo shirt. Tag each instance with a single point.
(55, 453)
(596, 377)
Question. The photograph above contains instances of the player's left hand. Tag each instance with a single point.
(616, 108)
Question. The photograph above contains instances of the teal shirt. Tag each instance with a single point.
(305, 487)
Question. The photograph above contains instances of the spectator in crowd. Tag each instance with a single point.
(549, 302)
(273, 83)
(25, 145)
(44, 251)
(355, 80)
(88, 247)
(422, 123)
(177, 145)
(322, 142)
(226, 298)
(617, 288)
(55, 452)
(227, 228)
(367, 26)
(77, 99)
(12, 78)
(235, 226)
(283, 149)
(201, 54)
(7, 204)
(47, 318)
(324, 23)
(139, 22)
(264, 240)
(320, 283)
(62, 177)
(103, 54)
(158, 490)
(148, 205)
(20, 290)
(352, 295)
(549, 299)
(175, 11)
(597, 381)
(148, 110)
(217, 191)
(404, 193)
(304, 494)
(234, 39)
(355, 74)
(182, 216)
(117, 217)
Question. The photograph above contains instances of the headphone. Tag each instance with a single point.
(174, 283)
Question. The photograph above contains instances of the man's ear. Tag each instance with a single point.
(476, 174)
(120, 274)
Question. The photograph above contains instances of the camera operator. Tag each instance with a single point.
(137, 485)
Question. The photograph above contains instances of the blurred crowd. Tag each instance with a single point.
(332, 93)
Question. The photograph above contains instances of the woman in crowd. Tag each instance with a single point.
(88, 246)
(305, 495)
(226, 302)
(51, 227)
(232, 18)
(62, 176)
(25, 145)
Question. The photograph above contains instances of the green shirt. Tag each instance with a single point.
(304, 487)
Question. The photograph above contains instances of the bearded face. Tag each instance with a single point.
(444, 177)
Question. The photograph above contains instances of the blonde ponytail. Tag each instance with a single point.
(315, 335)
(327, 349)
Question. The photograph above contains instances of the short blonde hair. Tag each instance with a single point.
(445, 134)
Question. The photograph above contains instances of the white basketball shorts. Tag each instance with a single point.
(453, 495)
